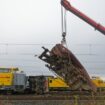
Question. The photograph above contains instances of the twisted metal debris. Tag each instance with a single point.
(63, 62)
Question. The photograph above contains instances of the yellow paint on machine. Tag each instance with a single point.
(98, 82)
(57, 82)
(60, 83)
(6, 76)
(6, 79)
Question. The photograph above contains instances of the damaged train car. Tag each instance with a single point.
(63, 62)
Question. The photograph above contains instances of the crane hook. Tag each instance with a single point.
(63, 38)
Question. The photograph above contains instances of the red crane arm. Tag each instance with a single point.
(81, 15)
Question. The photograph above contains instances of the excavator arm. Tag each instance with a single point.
(82, 16)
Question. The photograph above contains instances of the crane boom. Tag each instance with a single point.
(82, 16)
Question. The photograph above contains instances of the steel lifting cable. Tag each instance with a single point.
(62, 18)
(63, 21)
(64, 25)
(64, 28)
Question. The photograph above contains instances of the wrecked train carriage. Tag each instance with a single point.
(63, 62)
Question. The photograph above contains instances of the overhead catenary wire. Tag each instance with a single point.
(24, 44)
(6, 49)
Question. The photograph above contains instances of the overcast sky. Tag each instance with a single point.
(27, 25)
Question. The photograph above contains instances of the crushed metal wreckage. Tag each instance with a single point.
(63, 62)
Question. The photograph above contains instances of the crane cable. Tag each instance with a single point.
(64, 28)
(64, 25)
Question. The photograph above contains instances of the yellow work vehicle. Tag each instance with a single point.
(100, 84)
(12, 80)
(51, 83)
(57, 84)
(6, 76)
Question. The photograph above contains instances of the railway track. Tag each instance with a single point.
(52, 97)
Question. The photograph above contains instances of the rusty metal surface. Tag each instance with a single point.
(63, 62)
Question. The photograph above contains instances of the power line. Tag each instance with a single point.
(14, 59)
(33, 44)
(7, 53)
(90, 44)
